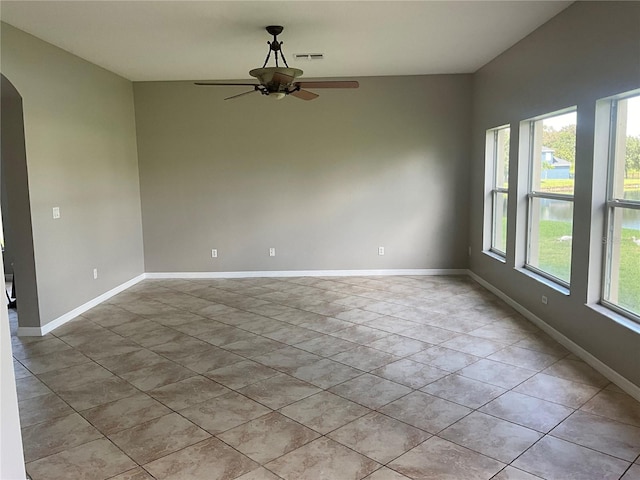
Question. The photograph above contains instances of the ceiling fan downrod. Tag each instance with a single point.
(275, 46)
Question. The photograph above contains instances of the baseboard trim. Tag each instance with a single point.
(52, 325)
(629, 387)
(306, 273)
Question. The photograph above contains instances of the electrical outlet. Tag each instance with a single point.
(544, 299)
(95, 273)
(56, 212)
(214, 253)
(380, 250)
(272, 252)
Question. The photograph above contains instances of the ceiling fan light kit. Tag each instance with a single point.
(278, 82)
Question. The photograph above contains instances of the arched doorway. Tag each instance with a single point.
(16, 208)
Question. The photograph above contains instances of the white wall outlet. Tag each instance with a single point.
(272, 252)
(544, 299)
(95, 273)
(380, 250)
(214, 253)
(56, 212)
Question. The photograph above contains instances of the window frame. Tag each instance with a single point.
(532, 194)
(496, 189)
(610, 204)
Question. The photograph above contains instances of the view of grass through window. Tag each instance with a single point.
(622, 239)
(552, 169)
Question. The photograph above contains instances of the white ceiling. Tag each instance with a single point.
(188, 40)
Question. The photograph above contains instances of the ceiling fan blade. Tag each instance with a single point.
(329, 84)
(304, 94)
(282, 78)
(241, 94)
(214, 84)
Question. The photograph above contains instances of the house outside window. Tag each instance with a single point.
(552, 146)
(621, 279)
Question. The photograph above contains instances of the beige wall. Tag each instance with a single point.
(81, 157)
(589, 51)
(325, 182)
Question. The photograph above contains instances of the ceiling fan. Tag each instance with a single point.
(278, 82)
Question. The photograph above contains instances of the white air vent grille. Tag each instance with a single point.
(308, 56)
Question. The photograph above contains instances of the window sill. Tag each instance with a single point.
(544, 280)
(495, 256)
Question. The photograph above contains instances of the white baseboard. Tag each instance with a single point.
(306, 273)
(40, 331)
(629, 387)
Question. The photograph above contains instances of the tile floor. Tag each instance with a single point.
(383, 378)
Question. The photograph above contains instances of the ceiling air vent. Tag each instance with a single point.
(308, 56)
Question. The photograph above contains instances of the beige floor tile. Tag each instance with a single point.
(323, 459)
(410, 373)
(480, 347)
(259, 474)
(523, 357)
(135, 474)
(438, 459)
(576, 371)
(491, 436)
(138, 326)
(632, 474)
(75, 376)
(55, 435)
(399, 345)
(92, 394)
(358, 315)
(326, 345)
(557, 390)
(379, 437)
(287, 359)
(326, 325)
(188, 392)
(241, 374)
(555, 459)
(499, 333)
(30, 387)
(445, 358)
(542, 342)
(129, 362)
(55, 361)
(429, 334)
(268, 437)
(206, 460)
(386, 474)
(157, 375)
(96, 460)
(324, 411)
(370, 390)
(600, 433)
(528, 411)
(254, 347)
(465, 391)
(107, 346)
(510, 473)
(279, 391)
(23, 349)
(158, 437)
(616, 406)
(20, 371)
(364, 358)
(208, 359)
(291, 334)
(325, 373)
(496, 373)
(125, 413)
(391, 324)
(425, 411)
(360, 334)
(42, 408)
(223, 413)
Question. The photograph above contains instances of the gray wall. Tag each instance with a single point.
(325, 182)
(81, 157)
(589, 51)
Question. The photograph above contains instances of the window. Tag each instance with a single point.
(621, 282)
(498, 163)
(552, 151)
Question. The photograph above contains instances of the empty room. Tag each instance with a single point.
(320, 240)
